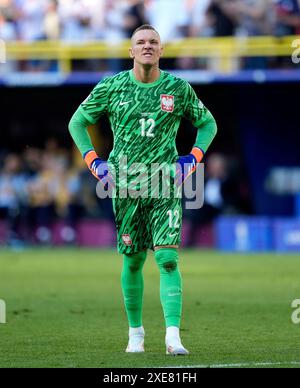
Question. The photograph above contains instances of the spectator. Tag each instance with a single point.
(134, 16)
(7, 28)
(76, 21)
(97, 16)
(54, 191)
(253, 17)
(67, 189)
(12, 197)
(51, 21)
(254, 20)
(30, 20)
(7, 33)
(158, 12)
(193, 23)
(32, 161)
(41, 201)
(287, 17)
(219, 191)
(223, 17)
(8, 10)
(200, 25)
(114, 31)
(214, 197)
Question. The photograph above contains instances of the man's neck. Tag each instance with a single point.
(146, 75)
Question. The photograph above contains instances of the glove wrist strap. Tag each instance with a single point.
(198, 154)
(90, 157)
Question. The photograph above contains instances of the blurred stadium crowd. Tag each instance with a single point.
(40, 187)
(112, 20)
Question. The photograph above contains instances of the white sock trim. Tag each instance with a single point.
(173, 332)
(136, 331)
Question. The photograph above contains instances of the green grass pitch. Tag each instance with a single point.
(65, 309)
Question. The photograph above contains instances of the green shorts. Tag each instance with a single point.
(147, 223)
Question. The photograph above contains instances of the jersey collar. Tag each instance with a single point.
(146, 85)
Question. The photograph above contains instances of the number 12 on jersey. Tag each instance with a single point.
(148, 126)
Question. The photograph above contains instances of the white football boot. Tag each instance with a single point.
(174, 346)
(136, 340)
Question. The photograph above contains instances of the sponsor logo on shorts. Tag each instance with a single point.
(127, 240)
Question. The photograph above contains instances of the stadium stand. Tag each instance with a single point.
(233, 52)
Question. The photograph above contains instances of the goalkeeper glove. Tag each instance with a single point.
(186, 165)
(98, 167)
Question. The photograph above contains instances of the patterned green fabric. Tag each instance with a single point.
(147, 223)
(170, 285)
(133, 287)
(144, 119)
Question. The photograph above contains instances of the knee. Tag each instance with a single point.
(167, 259)
(170, 266)
(135, 266)
(135, 262)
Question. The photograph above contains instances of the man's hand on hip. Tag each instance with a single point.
(186, 165)
(98, 167)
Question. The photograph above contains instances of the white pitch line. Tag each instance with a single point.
(241, 365)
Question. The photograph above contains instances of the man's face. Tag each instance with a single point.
(146, 47)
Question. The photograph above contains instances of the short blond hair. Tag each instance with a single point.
(144, 27)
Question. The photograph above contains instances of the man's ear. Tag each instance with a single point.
(131, 53)
(161, 51)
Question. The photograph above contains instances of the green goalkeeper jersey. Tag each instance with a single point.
(145, 117)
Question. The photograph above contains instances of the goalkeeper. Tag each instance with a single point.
(145, 106)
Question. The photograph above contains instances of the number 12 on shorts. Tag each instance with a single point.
(174, 219)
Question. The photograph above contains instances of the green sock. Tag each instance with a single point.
(133, 287)
(170, 285)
